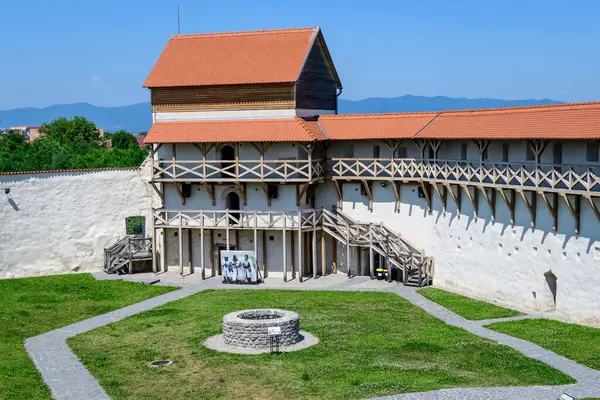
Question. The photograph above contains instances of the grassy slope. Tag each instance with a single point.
(466, 307)
(372, 344)
(33, 306)
(577, 342)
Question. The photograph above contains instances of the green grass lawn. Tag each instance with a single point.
(372, 344)
(32, 306)
(466, 307)
(577, 342)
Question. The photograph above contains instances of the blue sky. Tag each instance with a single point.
(100, 51)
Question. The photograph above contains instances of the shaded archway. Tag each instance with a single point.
(227, 157)
(232, 202)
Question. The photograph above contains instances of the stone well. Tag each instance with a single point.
(249, 328)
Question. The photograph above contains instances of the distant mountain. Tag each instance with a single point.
(134, 118)
(137, 117)
(410, 103)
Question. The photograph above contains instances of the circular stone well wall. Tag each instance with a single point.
(249, 328)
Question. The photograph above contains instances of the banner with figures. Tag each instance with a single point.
(239, 266)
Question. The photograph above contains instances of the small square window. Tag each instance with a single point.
(271, 238)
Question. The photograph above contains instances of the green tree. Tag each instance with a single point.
(123, 140)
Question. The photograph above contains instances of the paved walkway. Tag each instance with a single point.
(67, 378)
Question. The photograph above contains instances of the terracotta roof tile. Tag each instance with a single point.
(272, 56)
(374, 126)
(60, 171)
(561, 121)
(238, 130)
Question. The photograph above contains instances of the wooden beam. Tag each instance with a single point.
(443, 195)
(371, 255)
(397, 192)
(490, 200)
(427, 193)
(574, 209)
(339, 190)
(210, 189)
(594, 207)
(551, 206)
(160, 194)
(369, 194)
(301, 193)
(255, 243)
(530, 204)
(457, 197)
(266, 191)
(179, 192)
(510, 202)
(242, 189)
(154, 245)
(473, 198)
(358, 261)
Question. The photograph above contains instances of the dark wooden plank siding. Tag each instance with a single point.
(316, 87)
(228, 97)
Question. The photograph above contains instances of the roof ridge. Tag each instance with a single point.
(245, 33)
(53, 171)
(390, 114)
(523, 108)
(305, 127)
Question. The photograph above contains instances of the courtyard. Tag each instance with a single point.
(375, 340)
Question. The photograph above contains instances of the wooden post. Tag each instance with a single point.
(314, 253)
(300, 269)
(264, 254)
(334, 256)
(255, 238)
(348, 250)
(323, 255)
(293, 253)
(130, 260)
(371, 258)
(202, 264)
(212, 253)
(165, 260)
(285, 268)
(358, 261)
(180, 241)
(154, 244)
(190, 254)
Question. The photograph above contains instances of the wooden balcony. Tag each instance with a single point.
(574, 179)
(219, 171)
(305, 220)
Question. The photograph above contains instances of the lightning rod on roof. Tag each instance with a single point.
(178, 25)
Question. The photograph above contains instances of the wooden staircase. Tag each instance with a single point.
(416, 268)
(119, 257)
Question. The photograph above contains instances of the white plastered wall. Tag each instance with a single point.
(61, 222)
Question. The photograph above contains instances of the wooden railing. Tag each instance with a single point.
(555, 177)
(232, 171)
(306, 219)
(124, 252)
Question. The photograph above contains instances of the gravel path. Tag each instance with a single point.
(67, 378)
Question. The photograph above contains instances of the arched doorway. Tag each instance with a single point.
(227, 155)
(232, 202)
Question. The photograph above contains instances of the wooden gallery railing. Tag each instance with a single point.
(577, 179)
(233, 171)
(417, 269)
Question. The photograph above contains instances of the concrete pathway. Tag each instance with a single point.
(67, 378)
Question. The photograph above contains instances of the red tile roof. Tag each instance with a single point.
(66, 171)
(559, 121)
(272, 56)
(237, 130)
(374, 126)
